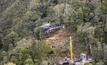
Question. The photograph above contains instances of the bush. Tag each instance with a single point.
(10, 63)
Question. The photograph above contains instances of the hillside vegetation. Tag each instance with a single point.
(23, 42)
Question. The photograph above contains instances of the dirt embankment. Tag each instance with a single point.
(57, 38)
(61, 40)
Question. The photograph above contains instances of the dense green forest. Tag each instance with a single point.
(22, 41)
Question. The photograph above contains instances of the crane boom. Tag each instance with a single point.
(71, 55)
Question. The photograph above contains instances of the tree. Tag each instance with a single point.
(39, 50)
(29, 61)
(11, 38)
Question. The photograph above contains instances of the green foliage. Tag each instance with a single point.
(3, 53)
(88, 64)
(23, 51)
(37, 33)
(29, 61)
(10, 39)
(98, 32)
(100, 63)
(40, 49)
(20, 22)
(12, 35)
(10, 63)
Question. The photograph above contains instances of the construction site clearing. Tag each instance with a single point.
(61, 40)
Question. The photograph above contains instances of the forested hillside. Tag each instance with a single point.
(24, 42)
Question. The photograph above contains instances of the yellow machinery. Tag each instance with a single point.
(71, 54)
(83, 56)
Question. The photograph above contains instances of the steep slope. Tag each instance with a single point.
(4, 4)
